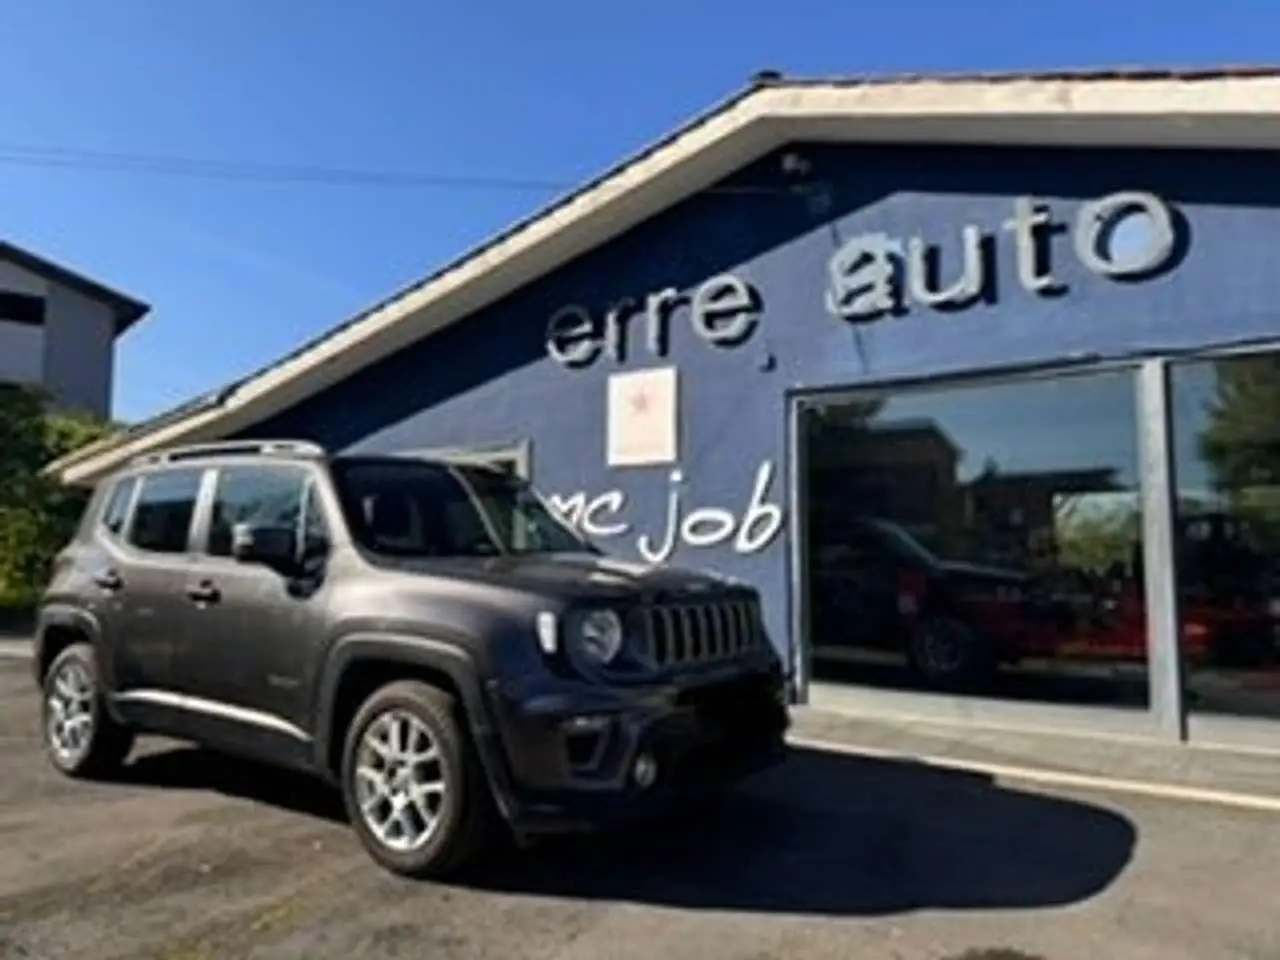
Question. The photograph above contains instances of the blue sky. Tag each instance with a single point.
(240, 272)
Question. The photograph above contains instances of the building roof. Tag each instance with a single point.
(1235, 107)
(125, 309)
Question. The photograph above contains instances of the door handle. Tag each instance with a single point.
(206, 591)
(108, 580)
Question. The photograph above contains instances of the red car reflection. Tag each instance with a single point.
(1230, 607)
(877, 587)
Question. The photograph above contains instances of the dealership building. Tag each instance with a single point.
(976, 378)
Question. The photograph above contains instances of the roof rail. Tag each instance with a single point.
(260, 448)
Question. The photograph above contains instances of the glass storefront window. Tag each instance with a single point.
(1226, 434)
(979, 539)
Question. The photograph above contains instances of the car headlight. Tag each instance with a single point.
(597, 635)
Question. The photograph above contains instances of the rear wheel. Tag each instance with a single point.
(80, 738)
(412, 785)
(949, 654)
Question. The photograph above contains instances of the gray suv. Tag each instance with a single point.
(427, 637)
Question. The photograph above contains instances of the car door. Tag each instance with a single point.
(141, 579)
(246, 661)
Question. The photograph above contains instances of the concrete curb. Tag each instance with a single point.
(1056, 778)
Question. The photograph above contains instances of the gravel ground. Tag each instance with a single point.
(195, 857)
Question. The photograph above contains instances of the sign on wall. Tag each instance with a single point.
(722, 311)
(1126, 236)
(876, 275)
(642, 418)
(749, 530)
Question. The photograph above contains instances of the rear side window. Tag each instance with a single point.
(115, 511)
(270, 496)
(166, 504)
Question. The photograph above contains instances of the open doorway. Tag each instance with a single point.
(976, 539)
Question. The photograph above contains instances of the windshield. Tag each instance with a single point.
(419, 509)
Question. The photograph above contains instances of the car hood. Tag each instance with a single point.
(569, 575)
(974, 571)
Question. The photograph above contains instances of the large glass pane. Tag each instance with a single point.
(980, 540)
(269, 495)
(163, 514)
(1226, 431)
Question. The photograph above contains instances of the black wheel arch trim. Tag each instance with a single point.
(414, 650)
(61, 615)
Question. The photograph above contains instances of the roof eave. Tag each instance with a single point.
(128, 312)
(1232, 111)
(125, 310)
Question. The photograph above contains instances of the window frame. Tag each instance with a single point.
(1168, 718)
(1203, 728)
(99, 520)
(1149, 724)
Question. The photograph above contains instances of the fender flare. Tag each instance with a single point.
(61, 615)
(448, 657)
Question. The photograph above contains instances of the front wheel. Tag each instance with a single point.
(412, 785)
(949, 654)
(80, 738)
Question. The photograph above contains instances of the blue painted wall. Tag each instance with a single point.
(489, 381)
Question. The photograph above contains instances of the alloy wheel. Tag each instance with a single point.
(70, 713)
(400, 781)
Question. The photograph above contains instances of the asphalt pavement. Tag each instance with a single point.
(194, 857)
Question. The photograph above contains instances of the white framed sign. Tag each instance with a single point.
(642, 420)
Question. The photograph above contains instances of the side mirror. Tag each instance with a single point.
(275, 547)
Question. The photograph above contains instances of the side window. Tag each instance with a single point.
(166, 504)
(115, 511)
(268, 496)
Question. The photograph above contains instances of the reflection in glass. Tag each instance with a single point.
(1226, 430)
(979, 539)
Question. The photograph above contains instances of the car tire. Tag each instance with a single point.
(450, 786)
(948, 654)
(80, 738)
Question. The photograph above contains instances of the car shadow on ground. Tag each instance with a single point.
(194, 768)
(824, 833)
(834, 834)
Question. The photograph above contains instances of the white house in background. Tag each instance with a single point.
(58, 330)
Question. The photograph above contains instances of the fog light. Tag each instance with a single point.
(587, 723)
(645, 771)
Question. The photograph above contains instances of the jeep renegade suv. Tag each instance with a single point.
(426, 636)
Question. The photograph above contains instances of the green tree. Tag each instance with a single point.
(1240, 443)
(37, 514)
(1094, 543)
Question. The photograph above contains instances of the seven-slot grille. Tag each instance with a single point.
(698, 631)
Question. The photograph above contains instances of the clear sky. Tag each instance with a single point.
(240, 270)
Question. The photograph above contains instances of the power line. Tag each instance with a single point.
(264, 173)
(67, 158)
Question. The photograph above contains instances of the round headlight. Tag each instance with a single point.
(598, 636)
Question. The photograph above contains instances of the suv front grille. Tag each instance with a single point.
(672, 634)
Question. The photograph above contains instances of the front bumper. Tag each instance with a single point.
(580, 756)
